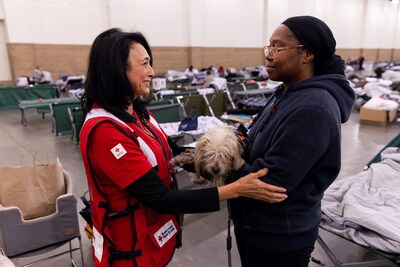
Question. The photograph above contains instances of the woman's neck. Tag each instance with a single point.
(130, 109)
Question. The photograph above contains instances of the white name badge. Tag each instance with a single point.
(97, 244)
(165, 233)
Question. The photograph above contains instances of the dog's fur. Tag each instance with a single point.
(217, 153)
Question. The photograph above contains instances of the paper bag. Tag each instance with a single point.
(33, 189)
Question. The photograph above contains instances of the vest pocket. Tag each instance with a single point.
(164, 231)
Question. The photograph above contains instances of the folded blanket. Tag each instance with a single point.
(366, 207)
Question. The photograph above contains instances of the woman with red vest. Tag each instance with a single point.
(126, 156)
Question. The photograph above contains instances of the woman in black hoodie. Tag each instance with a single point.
(297, 137)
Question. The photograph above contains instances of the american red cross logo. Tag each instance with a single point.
(159, 238)
(118, 151)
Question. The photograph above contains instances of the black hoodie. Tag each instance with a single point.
(298, 138)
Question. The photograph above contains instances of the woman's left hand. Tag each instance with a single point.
(252, 187)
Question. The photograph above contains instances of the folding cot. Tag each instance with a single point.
(176, 93)
(193, 104)
(235, 87)
(43, 105)
(214, 104)
(166, 112)
(11, 96)
(365, 209)
(218, 102)
(77, 119)
(61, 119)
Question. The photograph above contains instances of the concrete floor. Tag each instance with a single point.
(205, 234)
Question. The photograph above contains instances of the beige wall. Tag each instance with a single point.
(170, 58)
(370, 54)
(72, 59)
(227, 57)
(57, 59)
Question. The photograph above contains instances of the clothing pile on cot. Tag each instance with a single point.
(205, 123)
(365, 207)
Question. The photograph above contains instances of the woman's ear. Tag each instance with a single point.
(308, 57)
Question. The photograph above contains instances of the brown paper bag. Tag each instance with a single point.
(33, 189)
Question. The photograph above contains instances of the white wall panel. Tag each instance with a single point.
(279, 10)
(345, 18)
(163, 22)
(385, 25)
(227, 23)
(205, 23)
(1, 10)
(5, 73)
(373, 24)
(397, 28)
(54, 21)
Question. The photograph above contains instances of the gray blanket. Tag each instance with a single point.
(366, 207)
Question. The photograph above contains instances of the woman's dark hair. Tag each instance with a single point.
(106, 82)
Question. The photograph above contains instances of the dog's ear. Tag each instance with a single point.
(238, 161)
(197, 155)
(197, 168)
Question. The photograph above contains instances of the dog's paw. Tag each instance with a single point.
(175, 161)
(185, 160)
(186, 157)
(198, 180)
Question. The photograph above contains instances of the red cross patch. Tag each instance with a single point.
(118, 151)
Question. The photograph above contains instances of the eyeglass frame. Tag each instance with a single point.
(268, 49)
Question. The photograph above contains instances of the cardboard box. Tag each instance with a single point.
(375, 116)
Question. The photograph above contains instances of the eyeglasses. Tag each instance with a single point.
(270, 51)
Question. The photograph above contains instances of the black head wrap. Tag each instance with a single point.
(317, 38)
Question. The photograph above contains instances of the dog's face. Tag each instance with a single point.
(217, 153)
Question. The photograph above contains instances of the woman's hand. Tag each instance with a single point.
(252, 187)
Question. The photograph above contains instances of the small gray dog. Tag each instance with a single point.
(217, 153)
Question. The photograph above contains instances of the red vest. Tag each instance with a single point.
(152, 235)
